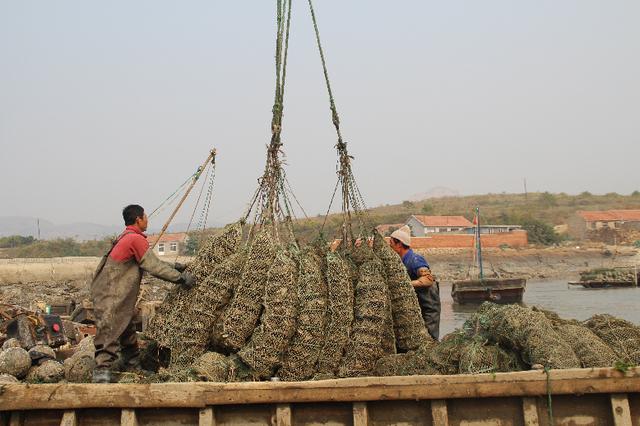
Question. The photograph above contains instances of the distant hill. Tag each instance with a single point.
(437, 192)
(20, 225)
(81, 231)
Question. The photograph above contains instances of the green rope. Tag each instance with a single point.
(334, 111)
(547, 371)
(351, 195)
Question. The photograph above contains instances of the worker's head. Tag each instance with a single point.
(400, 240)
(134, 214)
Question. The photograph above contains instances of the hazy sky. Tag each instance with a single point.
(107, 103)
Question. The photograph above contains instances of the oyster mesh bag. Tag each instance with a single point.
(264, 350)
(620, 335)
(242, 315)
(339, 312)
(182, 319)
(301, 357)
(409, 329)
(364, 346)
(527, 332)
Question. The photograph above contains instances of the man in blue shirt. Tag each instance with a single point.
(423, 281)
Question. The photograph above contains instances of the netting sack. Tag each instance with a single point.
(409, 329)
(591, 350)
(164, 326)
(363, 349)
(527, 332)
(264, 350)
(300, 359)
(411, 363)
(340, 312)
(620, 335)
(242, 315)
(479, 356)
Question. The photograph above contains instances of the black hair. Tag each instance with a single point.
(403, 244)
(131, 213)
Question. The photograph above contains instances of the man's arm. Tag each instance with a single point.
(165, 271)
(425, 278)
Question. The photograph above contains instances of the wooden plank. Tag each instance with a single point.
(128, 417)
(207, 417)
(283, 415)
(530, 411)
(439, 412)
(621, 410)
(69, 418)
(360, 414)
(16, 419)
(199, 395)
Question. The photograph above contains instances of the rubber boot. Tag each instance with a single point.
(130, 359)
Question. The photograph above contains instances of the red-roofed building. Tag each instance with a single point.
(422, 225)
(586, 221)
(169, 244)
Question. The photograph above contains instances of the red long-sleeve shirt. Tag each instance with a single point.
(132, 243)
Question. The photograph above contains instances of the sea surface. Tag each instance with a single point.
(568, 302)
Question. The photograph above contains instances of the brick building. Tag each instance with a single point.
(169, 244)
(585, 222)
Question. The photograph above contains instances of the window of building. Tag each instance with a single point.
(173, 246)
(161, 248)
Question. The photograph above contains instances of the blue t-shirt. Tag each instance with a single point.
(413, 261)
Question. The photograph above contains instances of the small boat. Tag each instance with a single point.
(604, 284)
(484, 289)
(498, 290)
(608, 278)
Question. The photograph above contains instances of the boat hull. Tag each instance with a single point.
(496, 290)
(604, 284)
(578, 396)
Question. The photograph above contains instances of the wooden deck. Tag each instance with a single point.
(578, 397)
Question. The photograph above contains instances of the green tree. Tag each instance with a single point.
(547, 199)
(540, 232)
(427, 208)
(408, 204)
(635, 194)
(15, 241)
(192, 245)
(585, 194)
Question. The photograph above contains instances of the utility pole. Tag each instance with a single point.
(38, 224)
(525, 189)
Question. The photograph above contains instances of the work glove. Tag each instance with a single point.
(186, 280)
(180, 266)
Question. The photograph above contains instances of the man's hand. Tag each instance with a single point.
(181, 267)
(186, 280)
(425, 278)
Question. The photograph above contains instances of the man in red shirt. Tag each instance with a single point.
(115, 288)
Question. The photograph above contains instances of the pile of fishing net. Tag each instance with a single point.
(609, 274)
(267, 310)
(503, 338)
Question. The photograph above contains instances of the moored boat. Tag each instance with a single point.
(604, 284)
(485, 289)
(602, 278)
(497, 290)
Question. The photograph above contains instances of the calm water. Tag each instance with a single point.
(574, 302)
